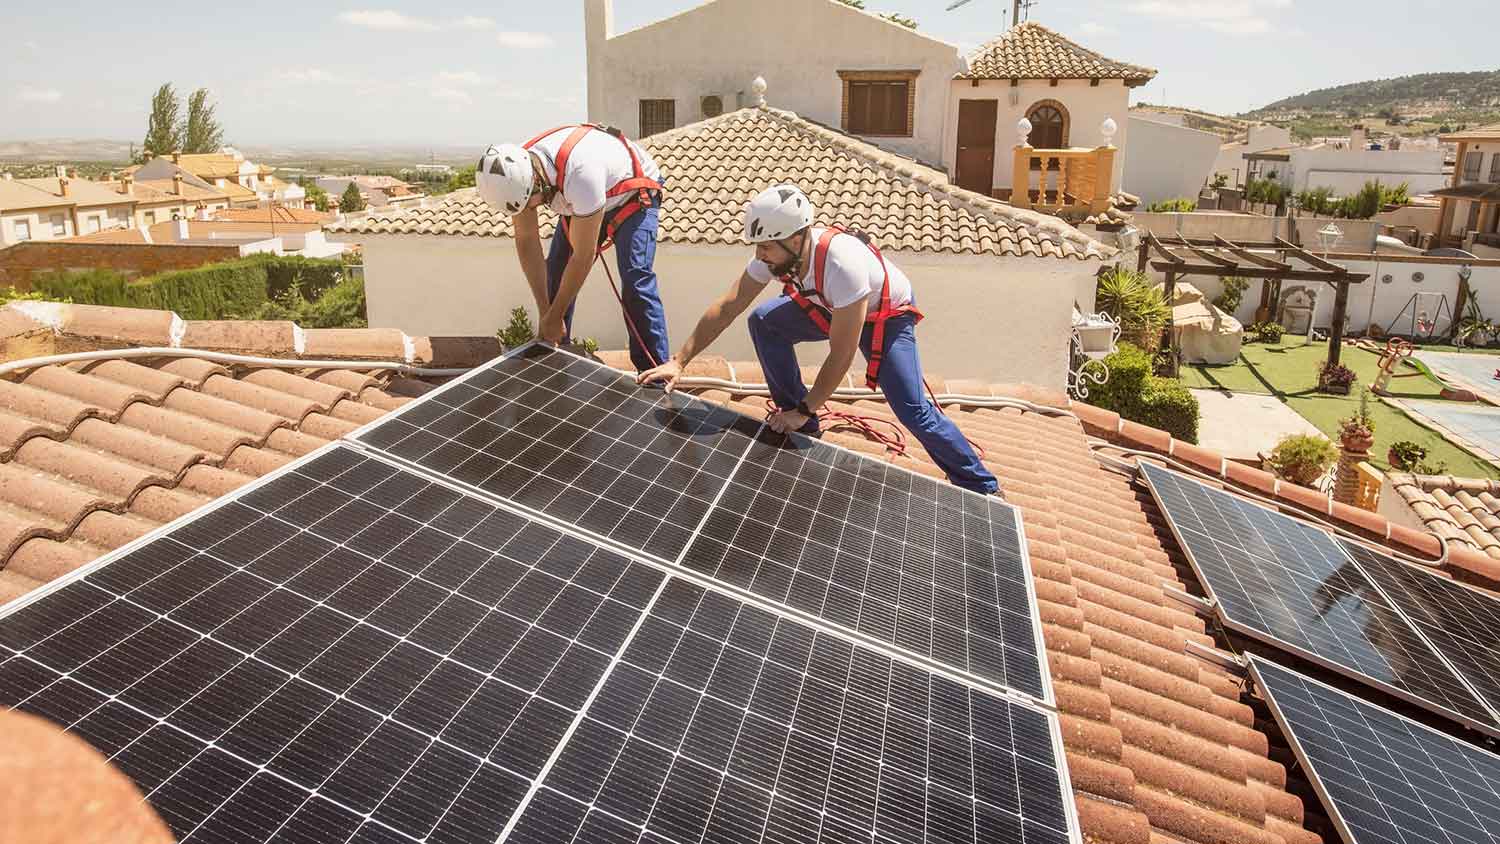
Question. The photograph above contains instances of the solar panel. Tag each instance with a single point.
(577, 441)
(726, 722)
(348, 651)
(1383, 777)
(1279, 580)
(905, 559)
(1463, 624)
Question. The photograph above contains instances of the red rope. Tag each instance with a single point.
(894, 441)
(629, 322)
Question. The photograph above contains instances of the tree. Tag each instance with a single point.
(351, 200)
(201, 132)
(893, 17)
(316, 195)
(461, 179)
(164, 128)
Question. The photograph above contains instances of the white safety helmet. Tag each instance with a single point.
(504, 177)
(777, 212)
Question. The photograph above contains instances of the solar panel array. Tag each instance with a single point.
(487, 622)
(1383, 777)
(1282, 581)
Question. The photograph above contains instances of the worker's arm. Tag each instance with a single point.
(713, 322)
(583, 236)
(529, 250)
(843, 341)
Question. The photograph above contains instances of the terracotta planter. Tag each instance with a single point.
(1357, 444)
(1335, 389)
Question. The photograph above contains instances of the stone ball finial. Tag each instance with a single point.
(1108, 129)
(758, 88)
(1023, 132)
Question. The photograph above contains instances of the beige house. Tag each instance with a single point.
(246, 183)
(1470, 215)
(998, 284)
(168, 199)
(59, 207)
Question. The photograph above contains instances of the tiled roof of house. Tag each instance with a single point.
(210, 165)
(277, 213)
(47, 192)
(1461, 510)
(1490, 132)
(715, 166)
(1161, 747)
(17, 195)
(1032, 51)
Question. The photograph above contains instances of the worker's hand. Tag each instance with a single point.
(787, 421)
(552, 327)
(666, 374)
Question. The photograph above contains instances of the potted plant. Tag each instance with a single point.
(1357, 433)
(1474, 329)
(1335, 379)
(1405, 455)
(1302, 458)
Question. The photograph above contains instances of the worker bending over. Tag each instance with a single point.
(839, 288)
(605, 189)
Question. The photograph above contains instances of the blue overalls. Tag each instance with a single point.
(777, 325)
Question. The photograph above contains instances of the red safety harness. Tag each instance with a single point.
(639, 182)
(820, 312)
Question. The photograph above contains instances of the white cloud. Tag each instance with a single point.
(1095, 28)
(524, 40)
(308, 74)
(460, 77)
(472, 22)
(387, 19)
(40, 95)
(452, 95)
(1229, 16)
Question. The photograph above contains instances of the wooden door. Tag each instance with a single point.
(975, 162)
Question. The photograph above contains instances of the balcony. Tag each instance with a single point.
(1053, 180)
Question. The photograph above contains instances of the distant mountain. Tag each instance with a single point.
(1424, 94)
(65, 149)
(330, 154)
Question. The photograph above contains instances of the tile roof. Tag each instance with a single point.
(1461, 510)
(1032, 51)
(17, 194)
(210, 165)
(155, 191)
(47, 193)
(1161, 746)
(1490, 132)
(715, 166)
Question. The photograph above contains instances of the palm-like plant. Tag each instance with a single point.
(1139, 306)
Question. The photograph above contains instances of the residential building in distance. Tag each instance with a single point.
(1230, 162)
(891, 86)
(57, 207)
(376, 191)
(246, 183)
(1470, 215)
(163, 200)
(1345, 166)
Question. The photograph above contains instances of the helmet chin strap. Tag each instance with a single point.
(792, 267)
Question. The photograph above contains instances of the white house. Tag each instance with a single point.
(997, 284)
(897, 88)
(1470, 215)
(1166, 160)
(1230, 162)
(1346, 166)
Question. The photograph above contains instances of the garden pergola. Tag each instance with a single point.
(1205, 259)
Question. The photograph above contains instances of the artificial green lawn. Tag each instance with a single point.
(1289, 371)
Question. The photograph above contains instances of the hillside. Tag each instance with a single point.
(1430, 95)
(1226, 127)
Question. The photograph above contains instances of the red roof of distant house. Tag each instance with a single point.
(277, 214)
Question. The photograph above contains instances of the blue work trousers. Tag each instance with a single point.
(776, 326)
(635, 254)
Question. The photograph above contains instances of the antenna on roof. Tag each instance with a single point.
(1015, 14)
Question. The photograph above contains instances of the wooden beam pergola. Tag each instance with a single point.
(1246, 264)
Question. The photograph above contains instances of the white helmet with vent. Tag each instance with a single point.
(777, 212)
(504, 177)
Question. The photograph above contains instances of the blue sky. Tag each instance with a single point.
(450, 73)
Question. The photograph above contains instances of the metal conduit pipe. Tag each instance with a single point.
(225, 357)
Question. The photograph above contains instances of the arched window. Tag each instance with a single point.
(1049, 125)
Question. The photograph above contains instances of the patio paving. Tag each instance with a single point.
(1242, 425)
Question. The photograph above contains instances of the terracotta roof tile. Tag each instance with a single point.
(715, 166)
(110, 398)
(134, 325)
(154, 382)
(265, 337)
(1032, 51)
(355, 343)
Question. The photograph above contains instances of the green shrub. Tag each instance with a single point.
(1233, 294)
(1267, 332)
(11, 294)
(1136, 394)
(339, 306)
(1302, 458)
(1406, 455)
(519, 332)
(1179, 204)
(1138, 305)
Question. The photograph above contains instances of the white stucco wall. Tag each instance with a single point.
(1231, 158)
(797, 45)
(1346, 171)
(1087, 107)
(996, 319)
(1165, 161)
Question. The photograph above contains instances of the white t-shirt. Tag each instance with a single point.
(852, 271)
(596, 164)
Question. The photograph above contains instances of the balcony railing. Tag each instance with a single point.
(1077, 178)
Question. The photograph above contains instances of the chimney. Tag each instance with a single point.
(127, 185)
(62, 185)
(1357, 137)
(176, 156)
(177, 184)
(598, 27)
(180, 229)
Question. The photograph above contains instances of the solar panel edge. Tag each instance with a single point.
(1252, 632)
(1418, 625)
(1254, 666)
(162, 531)
(1049, 694)
(675, 569)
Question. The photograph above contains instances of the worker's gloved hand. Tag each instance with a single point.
(787, 421)
(552, 328)
(666, 375)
